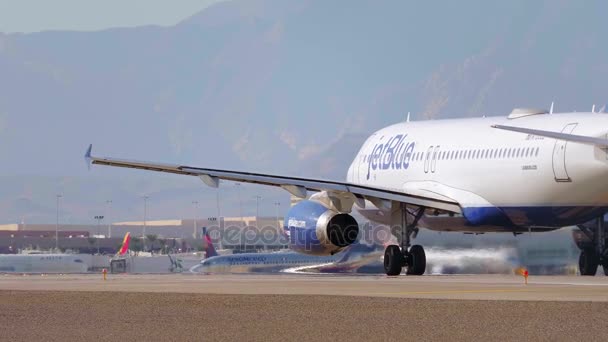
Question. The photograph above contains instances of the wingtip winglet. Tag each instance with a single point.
(87, 156)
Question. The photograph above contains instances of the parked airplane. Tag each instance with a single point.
(42, 263)
(348, 260)
(530, 171)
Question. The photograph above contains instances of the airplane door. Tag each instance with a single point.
(434, 160)
(559, 156)
(364, 157)
(427, 159)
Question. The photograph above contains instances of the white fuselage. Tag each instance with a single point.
(42, 263)
(499, 178)
(348, 260)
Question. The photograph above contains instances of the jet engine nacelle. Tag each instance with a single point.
(317, 230)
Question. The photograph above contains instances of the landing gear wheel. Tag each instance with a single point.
(605, 267)
(588, 262)
(416, 261)
(393, 260)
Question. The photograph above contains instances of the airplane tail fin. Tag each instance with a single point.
(209, 249)
(353, 249)
(348, 252)
(124, 248)
(87, 156)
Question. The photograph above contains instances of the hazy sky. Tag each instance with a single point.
(80, 15)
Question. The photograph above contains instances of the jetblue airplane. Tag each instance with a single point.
(530, 171)
(348, 260)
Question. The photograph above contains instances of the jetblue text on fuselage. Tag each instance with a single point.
(395, 154)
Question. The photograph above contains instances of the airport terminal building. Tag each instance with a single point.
(241, 234)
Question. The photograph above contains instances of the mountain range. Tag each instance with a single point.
(285, 87)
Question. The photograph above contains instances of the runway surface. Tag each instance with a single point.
(299, 307)
(486, 287)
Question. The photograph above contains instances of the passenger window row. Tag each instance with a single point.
(488, 153)
(496, 153)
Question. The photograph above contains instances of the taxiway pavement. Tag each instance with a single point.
(479, 287)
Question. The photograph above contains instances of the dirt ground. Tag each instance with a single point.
(120, 316)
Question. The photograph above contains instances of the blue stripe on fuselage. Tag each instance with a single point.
(549, 216)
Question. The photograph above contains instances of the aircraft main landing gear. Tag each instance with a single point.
(588, 262)
(398, 257)
(393, 260)
(593, 256)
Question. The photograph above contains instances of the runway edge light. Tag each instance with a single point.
(522, 271)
